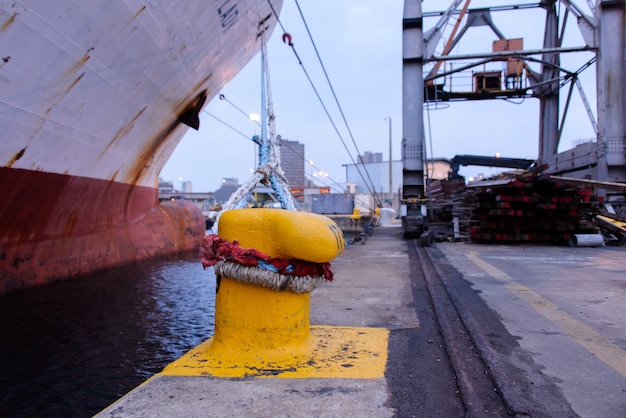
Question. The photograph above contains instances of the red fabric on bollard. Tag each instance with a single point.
(215, 248)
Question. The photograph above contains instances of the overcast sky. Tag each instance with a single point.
(360, 44)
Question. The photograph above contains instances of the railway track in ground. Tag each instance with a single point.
(461, 361)
(478, 390)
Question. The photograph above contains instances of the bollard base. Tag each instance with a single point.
(334, 352)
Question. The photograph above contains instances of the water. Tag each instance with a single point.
(72, 348)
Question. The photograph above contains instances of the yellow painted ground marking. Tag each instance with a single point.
(336, 352)
(609, 353)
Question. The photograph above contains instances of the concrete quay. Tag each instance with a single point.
(549, 324)
(566, 309)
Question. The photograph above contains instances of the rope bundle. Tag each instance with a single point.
(248, 265)
(265, 278)
(261, 175)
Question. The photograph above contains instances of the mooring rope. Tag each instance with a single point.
(262, 175)
(248, 265)
(266, 278)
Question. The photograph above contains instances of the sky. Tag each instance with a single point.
(360, 45)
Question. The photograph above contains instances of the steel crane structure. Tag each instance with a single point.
(524, 73)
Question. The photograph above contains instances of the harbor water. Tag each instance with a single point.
(73, 347)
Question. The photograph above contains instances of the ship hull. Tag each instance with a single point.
(94, 98)
(54, 236)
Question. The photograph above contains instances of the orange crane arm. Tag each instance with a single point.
(446, 48)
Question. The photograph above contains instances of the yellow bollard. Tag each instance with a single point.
(253, 321)
(356, 214)
(264, 332)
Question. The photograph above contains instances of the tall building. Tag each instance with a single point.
(292, 162)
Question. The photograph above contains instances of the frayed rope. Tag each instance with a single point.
(249, 265)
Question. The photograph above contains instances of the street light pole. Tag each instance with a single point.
(390, 167)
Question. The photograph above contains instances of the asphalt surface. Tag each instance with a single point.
(528, 331)
(565, 308)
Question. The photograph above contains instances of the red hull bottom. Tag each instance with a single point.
(55, 227)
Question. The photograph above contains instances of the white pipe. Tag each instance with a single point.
(586, 240)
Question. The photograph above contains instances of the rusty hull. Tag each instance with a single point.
(68, 226)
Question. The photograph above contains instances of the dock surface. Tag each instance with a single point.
(545, 324)
(566, 308)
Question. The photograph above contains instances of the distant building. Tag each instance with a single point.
(292, 162)
(228, 187)
(187, 187)
(377, 173)
(165, 186)
(370, 157)
(359, 176)
(168, 186)
(229, 181)
(222, 194)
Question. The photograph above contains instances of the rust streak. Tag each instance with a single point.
(70, 224)
(8, 22)
(143, 8)
(124, 130)
(127, 128)
(71, 86)
(203, 82)
(150, 150)
(70, 73)
(80, 63)
(16, 157)
(74, 69)
(114, 175)
(183, 106)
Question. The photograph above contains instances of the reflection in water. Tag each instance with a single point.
(74, 347)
